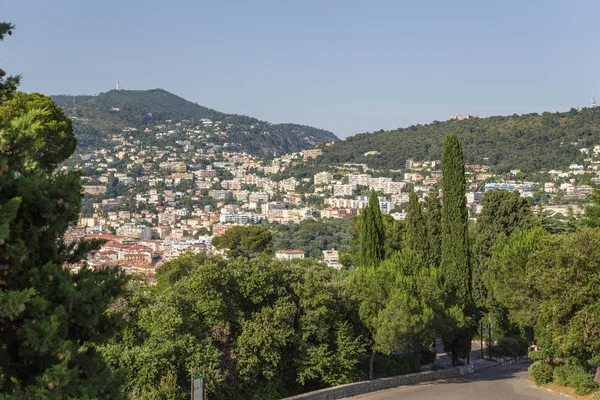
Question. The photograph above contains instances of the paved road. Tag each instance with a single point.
(508, 382)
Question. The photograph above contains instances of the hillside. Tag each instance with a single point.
(529, 142)
(95, 117)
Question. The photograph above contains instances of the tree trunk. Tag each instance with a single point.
(455, 362)
(416, 359)
(371, 365)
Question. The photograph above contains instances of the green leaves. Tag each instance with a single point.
(247, 242)
(372, 236)
(260, 327)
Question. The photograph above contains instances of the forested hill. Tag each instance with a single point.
(529, 142)
(95, 117)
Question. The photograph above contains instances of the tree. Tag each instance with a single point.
(401, 303)
(455, 263)
(592, 212)
(52, 320)
(503, 213)
(372, 236)
(551, 282)
(261, 328)
(433, 217)
(245, 241)
(8, 84)
(416, 227)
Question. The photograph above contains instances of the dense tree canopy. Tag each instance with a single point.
(529, 142)
(245, 241)
(52, 320)
(261, 328)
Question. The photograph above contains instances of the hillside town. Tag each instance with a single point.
(153, 198)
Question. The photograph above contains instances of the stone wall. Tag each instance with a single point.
(354, 389)
(511, 360)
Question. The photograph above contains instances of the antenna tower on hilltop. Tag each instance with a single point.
(117, 85)
(593, 103)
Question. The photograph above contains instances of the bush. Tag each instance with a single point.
(538, 355)
(576, 377)
(523, 345)
(541, 373)
(392, 365)
(506, 347)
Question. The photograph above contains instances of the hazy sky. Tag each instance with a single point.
(348, 66)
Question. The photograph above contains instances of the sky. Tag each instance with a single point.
(347, 66)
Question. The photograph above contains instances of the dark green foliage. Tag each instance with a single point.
(394, 231)
(52, 320)
(507, 347)
(8, 84)
(261, 328)
(576, 377)
(503, 213)
(455, 261)
(392, 365)
(147, 108)
(372, 236)
(592, 211)
(529, 142)
(550, 282)
(312, 236)
(523, 344)
(433, 217)
(416, 227)
(245, 241)
(541, 373)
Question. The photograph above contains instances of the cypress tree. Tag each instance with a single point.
(433, 218)
(416, 228)
(372, 235)
(455, 263)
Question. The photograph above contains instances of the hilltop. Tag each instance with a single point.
(96, 117)
(528, 142)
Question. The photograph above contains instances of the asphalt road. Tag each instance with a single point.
(508, 382)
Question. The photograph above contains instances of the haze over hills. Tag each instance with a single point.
(528, 142)
(96, 117)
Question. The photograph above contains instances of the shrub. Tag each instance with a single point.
(576, 377)
(506, 347)
(392, 365)
(541, 373)
(538, 355)
(523, 345)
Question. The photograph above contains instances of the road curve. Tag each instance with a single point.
(508, 382)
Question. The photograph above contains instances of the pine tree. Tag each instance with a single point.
(433, 217)
(372, 236)
(455, 263)
(51, 319)
(416, 228)
(7, 84)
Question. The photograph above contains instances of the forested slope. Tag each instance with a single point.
(95, 117)
(529, 142)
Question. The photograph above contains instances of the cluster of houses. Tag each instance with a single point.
(153, 200)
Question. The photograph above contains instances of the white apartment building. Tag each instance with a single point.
(359, 179)
(289, 254)
(344, 190)
(322, 178)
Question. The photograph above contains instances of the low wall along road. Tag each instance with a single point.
(354, 389)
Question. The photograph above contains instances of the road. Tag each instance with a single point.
(508, 382)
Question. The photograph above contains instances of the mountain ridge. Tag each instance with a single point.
(529, 141)
(96, 116)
